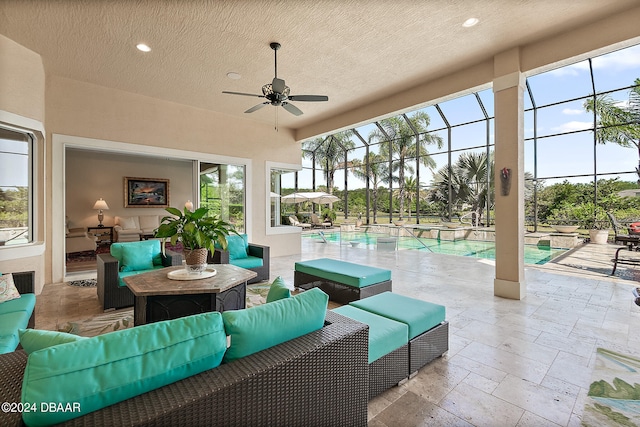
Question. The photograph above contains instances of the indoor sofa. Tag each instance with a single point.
(315, 376)
(134, 228)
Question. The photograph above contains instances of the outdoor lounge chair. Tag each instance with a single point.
(294, 221)
(316, 223)
(631, 241)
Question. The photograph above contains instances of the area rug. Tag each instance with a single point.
(123, 319)
(614, 394)
(86, 283)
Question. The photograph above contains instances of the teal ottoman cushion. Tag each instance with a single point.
(419, 315)
(385, 335)
(356, 275)
(103, 370)
(258, 328)
(26, 302)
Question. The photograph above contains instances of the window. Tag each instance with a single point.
(282, 179)
(222, 190)
(16, 187)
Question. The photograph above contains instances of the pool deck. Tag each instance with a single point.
(526, 362)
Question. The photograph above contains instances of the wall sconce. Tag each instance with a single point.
(189, 205)
(100, 205)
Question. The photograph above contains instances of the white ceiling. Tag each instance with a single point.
(354, 51)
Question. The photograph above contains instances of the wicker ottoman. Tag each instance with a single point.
(342, 281)
(428, 329)
(388, 348)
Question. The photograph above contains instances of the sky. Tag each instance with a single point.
(560, 155)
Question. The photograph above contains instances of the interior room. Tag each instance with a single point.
(98, 95)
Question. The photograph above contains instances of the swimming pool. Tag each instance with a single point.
(470, 248)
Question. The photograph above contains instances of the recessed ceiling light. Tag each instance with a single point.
(470, 22)
(233, 76)
(143, 47)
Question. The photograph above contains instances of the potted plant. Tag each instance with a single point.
(197, 231)
(563, 219)
(595, 220)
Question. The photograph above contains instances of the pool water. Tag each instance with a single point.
(470, 248)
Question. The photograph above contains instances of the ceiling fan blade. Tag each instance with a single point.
(309, 98)
(242, 93)
(292, 109)
(257, 107)
(277, 85)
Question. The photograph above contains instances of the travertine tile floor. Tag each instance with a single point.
(510, 363)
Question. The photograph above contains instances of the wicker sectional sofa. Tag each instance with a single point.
(320, 378)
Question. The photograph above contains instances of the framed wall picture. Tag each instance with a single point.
(146, 192)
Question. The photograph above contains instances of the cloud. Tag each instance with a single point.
(573, 126)
(619, 60)
(572, 111)
(571, 70)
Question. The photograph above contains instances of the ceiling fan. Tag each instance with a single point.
(277, 93)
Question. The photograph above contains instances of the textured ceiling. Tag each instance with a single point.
(354, 51)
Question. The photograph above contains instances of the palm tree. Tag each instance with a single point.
(616, 123)
(404, 145)
(329, 153)
(469, 186)
(411, 192)
(377, 173)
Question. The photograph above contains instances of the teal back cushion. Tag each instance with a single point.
(103, 370)
(144, 246)
(36, 339)
(258, 328)
(278, 290)
(237, 246)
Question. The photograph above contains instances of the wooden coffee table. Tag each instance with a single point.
(156, 297)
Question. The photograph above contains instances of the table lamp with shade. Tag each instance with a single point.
(100, 205)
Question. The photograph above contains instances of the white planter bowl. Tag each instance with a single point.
(599, 237)
(565, 228)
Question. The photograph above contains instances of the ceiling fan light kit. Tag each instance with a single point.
(278, 94)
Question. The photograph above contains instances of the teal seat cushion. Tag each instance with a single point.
(35, 339)
(419, 315)
(385, 335)
(153, 246)
(356, 275)
(237, 246)
(247, 262)
(263, 326)
(9, 325)
(26, 302)
(103, 370)
(278, 290)
(124, 274)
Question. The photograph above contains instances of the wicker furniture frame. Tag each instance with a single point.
(318, 379)
(109, 293)
(260, 251)
(25, 284)
(428, 346)
(387, 371)
(338, 292)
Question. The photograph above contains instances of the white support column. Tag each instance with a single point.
(508, 88)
